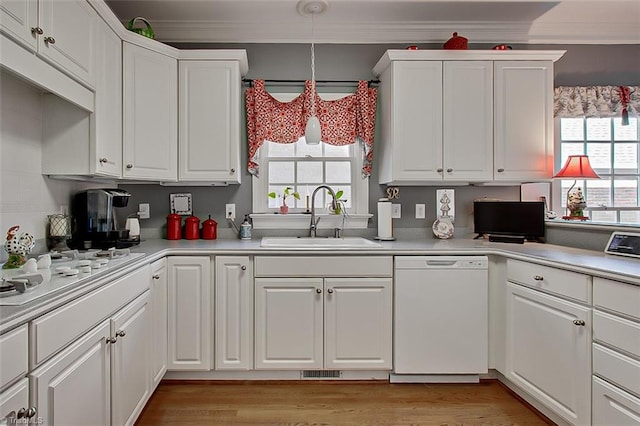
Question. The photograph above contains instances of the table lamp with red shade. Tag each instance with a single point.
(576, 167)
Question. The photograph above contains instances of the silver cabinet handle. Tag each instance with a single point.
(318, 290)
(129, 166)
(244, 268)
(233, 171)
(538, 277)
(120, 333)
(156, 277)
(103, 160)
(111, 340)
(50, 40)
(500, 170)
(330, 291)
(579, 323)
(36, 31)
(449, 170)
(439, 170)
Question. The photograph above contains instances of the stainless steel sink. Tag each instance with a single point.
(318, 243)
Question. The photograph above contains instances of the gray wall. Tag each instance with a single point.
(581, 65)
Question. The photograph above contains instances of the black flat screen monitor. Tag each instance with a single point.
(512, 218)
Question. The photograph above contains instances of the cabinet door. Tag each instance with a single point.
(357, 323)
(548, 355)
(150, 114)
(73, 388)
(158, 321)
(411, 118)
(190, 330)
(17, 18)
(209, 121)
(288, 323)
(468, 121)
(69, 37)
(233, 313)
(106, 157)
(523, 120)
(14, 402)
(130, 356)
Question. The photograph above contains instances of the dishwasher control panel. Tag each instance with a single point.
(441, 262)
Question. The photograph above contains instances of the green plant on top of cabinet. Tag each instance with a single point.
(150, 87)
(60, 32)
(209, 117)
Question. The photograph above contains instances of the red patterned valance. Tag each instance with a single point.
(343, 121)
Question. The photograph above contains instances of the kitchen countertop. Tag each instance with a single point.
(579, 260)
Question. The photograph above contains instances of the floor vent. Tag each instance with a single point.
(321, 374)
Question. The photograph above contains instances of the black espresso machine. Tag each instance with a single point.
(95, 223)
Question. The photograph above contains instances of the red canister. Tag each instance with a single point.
(209, 229)
(192, 228)
(174, 227)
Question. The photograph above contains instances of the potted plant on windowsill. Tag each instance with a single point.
(288, 191)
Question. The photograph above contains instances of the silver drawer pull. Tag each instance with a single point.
(579, 323)
(538, 277)
(111, 340)
(50, 40)
(243, 267)
(318, 290)
(330, 291)
(156, 277)
(121, 333)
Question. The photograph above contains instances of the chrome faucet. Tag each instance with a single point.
(314, 221)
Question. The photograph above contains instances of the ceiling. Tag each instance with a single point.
(389, 21)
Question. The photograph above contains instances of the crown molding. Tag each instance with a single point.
(395, 32)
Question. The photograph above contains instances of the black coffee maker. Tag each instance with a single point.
(95, 224)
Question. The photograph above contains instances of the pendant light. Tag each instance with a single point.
(312, 132)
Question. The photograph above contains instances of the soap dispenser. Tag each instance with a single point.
(245, 228)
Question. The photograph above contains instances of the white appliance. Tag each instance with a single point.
(440, 319)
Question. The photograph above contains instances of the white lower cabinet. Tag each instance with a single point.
(233, 313)
(102, 378)
(158, 321)
(189, 313)
(548, 351)
(616, 353)
(74, 387)
(14, 404)
(330, 323)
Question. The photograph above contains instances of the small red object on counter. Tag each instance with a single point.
(456, 42)
(174, 227)
(192, 228)
(209, 229)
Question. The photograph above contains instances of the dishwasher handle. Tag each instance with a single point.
(441, 262)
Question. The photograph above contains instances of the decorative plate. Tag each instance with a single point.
(443, 228)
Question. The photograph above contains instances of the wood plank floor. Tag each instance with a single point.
(335, 403)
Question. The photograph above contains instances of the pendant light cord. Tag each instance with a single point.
(313, 68)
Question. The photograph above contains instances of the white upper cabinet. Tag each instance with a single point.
(150, 114)
(465, 116)
(61, 32)
(209, 121)
(106, 155)
(523, 120)
(467, 121)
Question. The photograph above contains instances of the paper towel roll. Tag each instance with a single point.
(385, 229)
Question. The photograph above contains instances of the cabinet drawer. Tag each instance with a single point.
(325, 266)
(613, 406)
(14, 355)
(617, 296)
(617, 368)
(616, 331)
(14, 399)
(55, 330)
(553, 280)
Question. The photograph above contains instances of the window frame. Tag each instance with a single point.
(558, 191)
(357, 216)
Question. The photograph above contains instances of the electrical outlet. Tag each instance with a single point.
(396, 212)
(420, 211)
(230, 211)
(144, 211)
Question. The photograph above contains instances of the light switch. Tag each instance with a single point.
(420, 211)
(396, 212)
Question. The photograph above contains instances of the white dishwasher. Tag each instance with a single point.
(440, 318)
